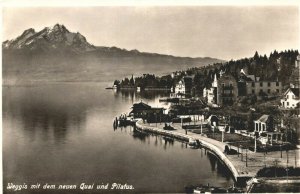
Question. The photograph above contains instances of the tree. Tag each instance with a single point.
(256, 56)
(116, 82)
(131, 81)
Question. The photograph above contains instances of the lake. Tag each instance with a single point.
(62, 133)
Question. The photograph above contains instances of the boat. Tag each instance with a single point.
(173, 100)
(209, 189)
(114, 87)
(194, 144)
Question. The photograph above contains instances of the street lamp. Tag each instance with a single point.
(246, 157)
(287, 174)
(155, 119)
(242, 153)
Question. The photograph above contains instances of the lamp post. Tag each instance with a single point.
(201, 125)
(287, 156)
(254, 143)
(287, 174)
(275, 164)
(295, 158)
(222, 136)
(281, 150)
(242, 153)
(265, 159)
(246, 157)
(159, 118)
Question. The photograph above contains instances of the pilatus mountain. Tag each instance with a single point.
(56, 54)
(57, 37)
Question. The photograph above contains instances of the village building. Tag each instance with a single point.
(290, 98)
(144, 111)
(264, 130)
(252, 85)
(183, 88)
(211, 93)
(258, 87)
(227, 90)
(263, 124)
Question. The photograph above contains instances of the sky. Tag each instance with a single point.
(224, 32)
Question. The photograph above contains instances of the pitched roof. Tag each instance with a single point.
(295, 91)
(263, 118)
(141, 106)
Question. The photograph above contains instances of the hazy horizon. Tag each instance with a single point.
(198, 31)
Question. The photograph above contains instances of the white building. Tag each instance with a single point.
(183, 88)
(180, 87)
(291, 98)
(210, 93)
(263, 124)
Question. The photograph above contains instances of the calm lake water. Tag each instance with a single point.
(63, 134)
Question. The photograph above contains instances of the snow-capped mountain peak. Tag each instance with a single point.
(55, 37)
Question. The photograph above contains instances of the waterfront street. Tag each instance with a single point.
(255, 160)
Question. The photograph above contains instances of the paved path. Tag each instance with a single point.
(255, 161)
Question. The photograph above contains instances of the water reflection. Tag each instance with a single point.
(150, 95)
(63, 134)
(166, 142)
(52, 113)
(218, 166)
(154, 139)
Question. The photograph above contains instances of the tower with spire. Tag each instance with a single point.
(211, 93)
(215, 82)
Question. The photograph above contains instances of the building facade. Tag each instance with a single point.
(184, 87)
(263, 87)
(211, 93)
(263, 124)
(290, 98)
(144, 111)
(227, 90)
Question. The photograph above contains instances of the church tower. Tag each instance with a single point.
(215, 82)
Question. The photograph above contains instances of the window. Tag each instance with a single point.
(277, 90)
(287, 104)
(253, 91)
(269, 91)
(277, 83)
(253, 84)
(261, 84)
(269, 84)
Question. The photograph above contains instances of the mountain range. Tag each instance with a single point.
(56, 54)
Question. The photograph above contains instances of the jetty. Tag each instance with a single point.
(243, 165)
